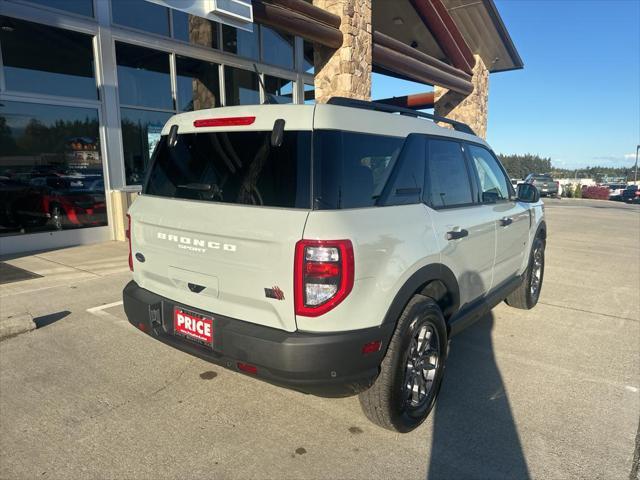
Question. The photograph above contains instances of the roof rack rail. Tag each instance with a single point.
(383, 107)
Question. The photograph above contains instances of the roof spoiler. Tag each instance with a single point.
(382, 107)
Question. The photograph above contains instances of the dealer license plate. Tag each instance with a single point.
(193, 326)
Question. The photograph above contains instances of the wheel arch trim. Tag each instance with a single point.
(415, 284)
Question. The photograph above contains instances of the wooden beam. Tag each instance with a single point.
(297, 24)
(446, 33)
(455, 31)
(417, 101)
(397, 45)
(416, 70)
(308, 10)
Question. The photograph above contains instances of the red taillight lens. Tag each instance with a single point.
(247, 367)
(224, 122)
(128, 234)
(371, 347)
(323, 275)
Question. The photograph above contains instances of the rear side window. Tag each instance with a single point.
(234, 167)
(407, 179)
(493, 182)
(447, 177)
(351, 169)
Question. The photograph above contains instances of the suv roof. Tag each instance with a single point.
(310, 117)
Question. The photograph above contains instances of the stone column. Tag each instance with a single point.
(472, 109)
(345, 72)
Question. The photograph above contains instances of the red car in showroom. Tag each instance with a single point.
(61, 202)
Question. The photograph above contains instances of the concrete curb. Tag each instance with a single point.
(15, 325)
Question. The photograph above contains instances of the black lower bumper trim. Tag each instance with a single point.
(329, 365)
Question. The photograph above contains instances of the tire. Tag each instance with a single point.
(389, 403)
(57, 220)
(527, 294)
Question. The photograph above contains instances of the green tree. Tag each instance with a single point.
(519, 166)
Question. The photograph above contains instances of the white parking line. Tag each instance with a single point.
(99, 311)
(103, 307)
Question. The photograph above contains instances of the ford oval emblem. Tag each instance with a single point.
(140, 257)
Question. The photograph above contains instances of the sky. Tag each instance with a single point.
(577, 100)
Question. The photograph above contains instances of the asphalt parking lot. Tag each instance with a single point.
(549, 393)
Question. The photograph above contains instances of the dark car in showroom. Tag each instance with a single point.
(59, 202)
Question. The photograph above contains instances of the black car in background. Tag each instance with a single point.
(631, 194)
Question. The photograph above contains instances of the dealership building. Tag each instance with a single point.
(86, 85)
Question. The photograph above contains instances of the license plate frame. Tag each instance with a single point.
(193, 326)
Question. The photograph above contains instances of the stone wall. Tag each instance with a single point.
(345, 72)
(472, 109)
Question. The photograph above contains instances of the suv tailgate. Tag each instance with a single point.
(235, 252)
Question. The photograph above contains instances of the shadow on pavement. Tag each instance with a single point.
(45, 320)
(474, 435)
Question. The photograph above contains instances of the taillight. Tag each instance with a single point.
(323, 275)
(128, 234)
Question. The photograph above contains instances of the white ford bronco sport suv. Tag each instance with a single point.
(332, 249)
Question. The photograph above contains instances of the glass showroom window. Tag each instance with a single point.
(47, 60)
(309, 94)
(144, 86)
(141, 15)
(307, 60)
(143, 77)
(241, 87)
(198, 84)
(81, 7)
(50, 168)
(241, 42)
(195, 30)
(140, 134)
(277, 48)
(280, 88)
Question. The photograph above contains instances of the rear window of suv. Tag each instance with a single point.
(234, 167)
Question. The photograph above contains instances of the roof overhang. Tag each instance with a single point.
(485, 33)
(478, 21)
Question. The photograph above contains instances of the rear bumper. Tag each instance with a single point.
(330, 365)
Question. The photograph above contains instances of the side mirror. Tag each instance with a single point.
(528, 193)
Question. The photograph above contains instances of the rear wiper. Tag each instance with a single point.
(201, 187)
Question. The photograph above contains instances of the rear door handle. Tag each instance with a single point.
(505, 221)
(457, 234)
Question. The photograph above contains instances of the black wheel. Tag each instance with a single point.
(404, 393)
(56, 220)
(527, 294)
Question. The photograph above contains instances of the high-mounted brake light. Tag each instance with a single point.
(224, 122)
(128, 235)
(323, 275)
